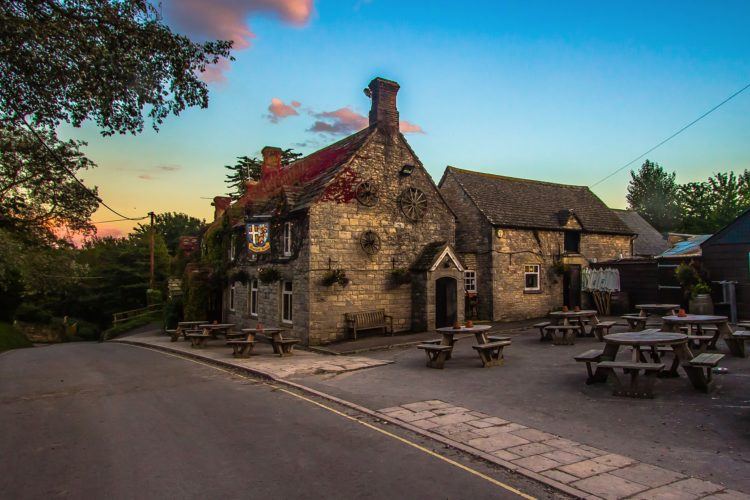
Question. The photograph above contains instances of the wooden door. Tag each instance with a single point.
(445, 302)
(572, 286)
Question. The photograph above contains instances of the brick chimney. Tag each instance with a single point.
(271, 160)
(383, 112)
(221, 203)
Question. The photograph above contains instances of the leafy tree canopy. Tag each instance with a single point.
(172, 225)
(249, 169)
(653, 192)
(710, 205)
(111, 61)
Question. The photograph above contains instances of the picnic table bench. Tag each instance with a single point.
(491, 353)
(707, 362)
(736, 342)
(198, 339)
(641, 375)
(173, 334)
(563, 334)
(369, 320)
(437, 354)
(636, 322)
(544, 335)
(590, 357)
(602, 328)
(241, 348)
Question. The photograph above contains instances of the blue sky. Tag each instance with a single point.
(564, 92)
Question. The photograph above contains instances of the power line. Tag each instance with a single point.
(675, 134)
(119, 220)
(72, 174)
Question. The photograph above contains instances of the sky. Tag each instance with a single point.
(558, 91)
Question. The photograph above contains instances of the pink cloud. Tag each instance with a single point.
(227, 20)
(278, 110)
(78, 239)
(341, 121)
(410, 128)
(146, 177)
(346, 121)
(215, 73)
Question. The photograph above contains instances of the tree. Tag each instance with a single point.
(110, 61)
(39, 193)
(172, 225)
(652, 192)
(710, 205)
(249, 169)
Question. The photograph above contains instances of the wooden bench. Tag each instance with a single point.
(198, 340)
(701, 343)
(656, 353)
(173, 335)
(737, 341)
(436, 354)
(281, 346)
(642, 377)
(602, 328)
(635, 321)
(544, 335)
(563, 334)
(189, 331)
(705, 362)
(369, 320)
(491, 353)
(497, 338)
(590, 357)
(241, 348)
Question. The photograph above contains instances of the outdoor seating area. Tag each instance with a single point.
(489, 348)
(199, 333)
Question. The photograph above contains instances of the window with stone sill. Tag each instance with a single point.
(252, 303)
(531, 278)
(232, 247)
(470, 281)
(286, 302)
(286, 239)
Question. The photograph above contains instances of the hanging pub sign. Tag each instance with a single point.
(258, 240)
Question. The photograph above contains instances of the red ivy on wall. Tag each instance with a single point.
(343, 188)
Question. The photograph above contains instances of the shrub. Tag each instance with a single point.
(701, 288)
(11, 338)
(31, 313)
(173, 313)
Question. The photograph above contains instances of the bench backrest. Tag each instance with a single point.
(367, 318)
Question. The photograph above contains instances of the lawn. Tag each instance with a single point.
(11, 338)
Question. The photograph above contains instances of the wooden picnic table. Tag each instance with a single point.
(652, 339)
(250, 333)
(723, 330)
(214, 329)
(448, 332)
(657, 309)
(490, 351)
(578, 317)
(185, 325)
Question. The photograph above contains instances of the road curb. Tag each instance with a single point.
(564, 488)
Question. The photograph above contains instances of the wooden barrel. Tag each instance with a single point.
(701, 304)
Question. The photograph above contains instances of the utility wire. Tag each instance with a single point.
(72, 174)
(120, 220)
(675, 134)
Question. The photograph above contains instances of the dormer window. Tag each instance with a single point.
(572, 242)
(286, 239)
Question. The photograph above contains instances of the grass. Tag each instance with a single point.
(11, 338)
(132, 324)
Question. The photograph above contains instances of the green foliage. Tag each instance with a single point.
(37, 192)
(78, 329)
(239, 276)
(700, 288)
(400, 276)
(173, 313)
(132, 324)
(110, 61)
(687, 275)
(30, 313)
(709, 206)
(268, 275)
(172, 225)
(653, 193)
(11, 338)
(154, 296)
(198, 291)
(247, 169)
(335, 276)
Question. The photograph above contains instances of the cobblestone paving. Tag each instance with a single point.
(589, 470)
(263, 358)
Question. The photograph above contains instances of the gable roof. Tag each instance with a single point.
(737, 231)
(649, 241)
(432, 254)
(524, 203)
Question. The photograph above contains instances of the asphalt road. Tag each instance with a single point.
(105, 420)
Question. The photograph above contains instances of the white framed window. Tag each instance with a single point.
(287, 239)
(232, 246)
(252, 300)
(231, 297)
(470, 281)
(531, 277)
(286, 302)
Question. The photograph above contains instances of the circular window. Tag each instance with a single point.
(413, 203)
(366, 193)
(370, 242)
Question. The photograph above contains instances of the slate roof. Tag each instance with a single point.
(523, 203)
(649, 242)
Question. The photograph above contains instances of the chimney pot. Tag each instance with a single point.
(384, 113)
(221, 203)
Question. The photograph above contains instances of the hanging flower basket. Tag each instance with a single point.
(269, 275)
(400, 276)
(335, 276)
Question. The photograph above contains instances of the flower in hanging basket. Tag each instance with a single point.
(400, 276)
(335, 276)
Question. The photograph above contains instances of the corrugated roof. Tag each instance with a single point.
(688, 248)
(649, 241)
(523, 203)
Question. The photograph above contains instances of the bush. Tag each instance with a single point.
(701, 288)
(11, 338)
(31, 313)
(335, 276)
(173, 313)
(153, 296)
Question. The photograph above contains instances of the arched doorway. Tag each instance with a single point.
(445, 302)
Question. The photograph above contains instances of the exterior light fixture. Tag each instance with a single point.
(407, 170)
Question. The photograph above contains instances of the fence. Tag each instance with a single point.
(135, 313)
